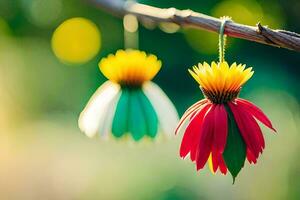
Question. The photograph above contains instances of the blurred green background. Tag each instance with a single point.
(43, 155)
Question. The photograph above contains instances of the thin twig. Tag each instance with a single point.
(189, 18)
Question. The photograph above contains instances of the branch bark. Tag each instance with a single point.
(189, 18)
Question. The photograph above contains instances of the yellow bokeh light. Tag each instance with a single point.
(76, 40)
(201, 41)
(247, 12)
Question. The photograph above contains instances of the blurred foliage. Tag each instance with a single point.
(44, 156)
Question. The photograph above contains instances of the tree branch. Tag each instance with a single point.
(189, 18)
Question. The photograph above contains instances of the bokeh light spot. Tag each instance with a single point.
(250, 12)
(44, 13)
(247, 11)
(76, 40)
(130, 23)
(169, 27)
(201, 41)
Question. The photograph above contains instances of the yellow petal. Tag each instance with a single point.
(219, 77)
(210, 164)
(130, 66)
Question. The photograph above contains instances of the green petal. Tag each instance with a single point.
(119, 125)
(137, 122)
(150, 115)
(235, 150)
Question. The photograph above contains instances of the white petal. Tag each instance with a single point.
(164, 108)
(105, 130)
(94, 114)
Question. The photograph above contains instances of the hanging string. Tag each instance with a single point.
(222, 38)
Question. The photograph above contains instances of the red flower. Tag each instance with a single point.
(222, 128)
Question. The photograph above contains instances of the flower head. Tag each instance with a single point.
(222, 128)
(219, 82)
(130, 67)
(129, 103)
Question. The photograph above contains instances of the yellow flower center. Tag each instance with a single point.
(130, 67)
(219, 82)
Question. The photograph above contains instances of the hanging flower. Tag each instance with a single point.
(222, 128)
(129, 103)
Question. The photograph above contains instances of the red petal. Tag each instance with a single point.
(255, 129)
(194, 113)
(198, 103)
(242, 121)
(188, 112)
(222, 165)
(206, 139)
(220, 135)
(256, 112)
(220, 129)
(196, 134)
(250, 157)
(193, 129)
(215, 160)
